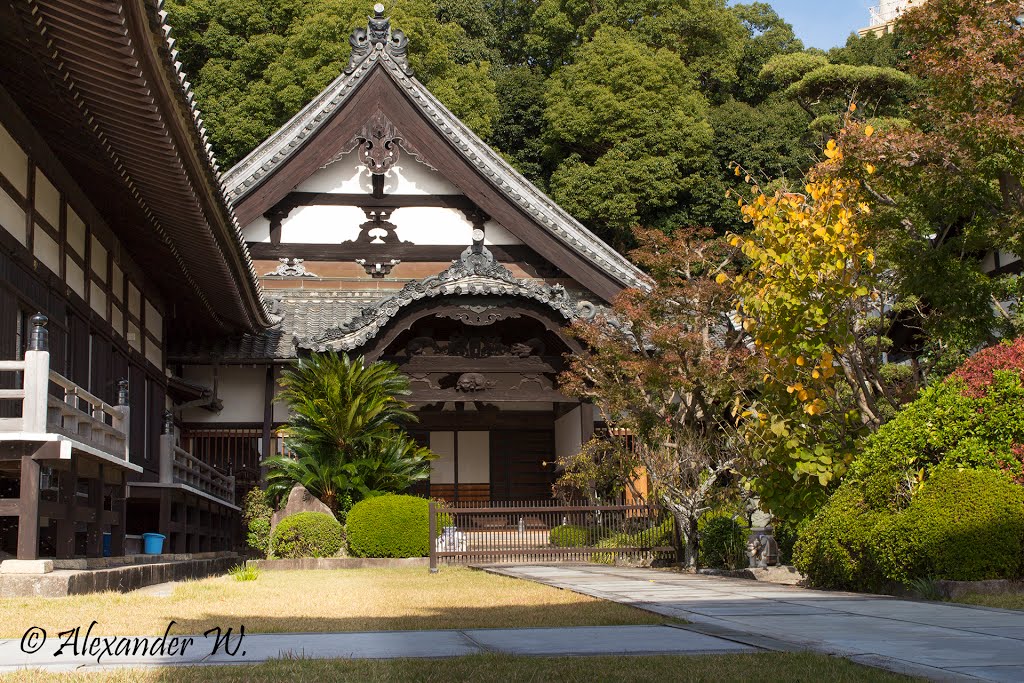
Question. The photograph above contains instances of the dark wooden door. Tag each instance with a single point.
(522, 464)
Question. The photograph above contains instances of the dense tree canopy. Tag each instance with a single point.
(628, 112)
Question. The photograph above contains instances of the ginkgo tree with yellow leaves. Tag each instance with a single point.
(818, 307)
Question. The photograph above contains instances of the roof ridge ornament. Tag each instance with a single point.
(378, 37)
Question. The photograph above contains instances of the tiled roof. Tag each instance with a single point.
(299, 315)
(263, 161)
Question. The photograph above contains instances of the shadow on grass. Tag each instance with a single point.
(457, 618)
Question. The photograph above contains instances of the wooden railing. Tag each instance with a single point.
(178, 466)
(87, 418)
(70, 410)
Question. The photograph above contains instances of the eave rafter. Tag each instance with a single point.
(114, 60)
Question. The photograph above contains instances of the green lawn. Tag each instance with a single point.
(756, 668)
(338, 600)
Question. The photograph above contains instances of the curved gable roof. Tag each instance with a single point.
(249, 183)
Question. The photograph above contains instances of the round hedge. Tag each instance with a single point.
(832, 550)
(569, 536)
(307, 534)
(389, 526)
(963, 525)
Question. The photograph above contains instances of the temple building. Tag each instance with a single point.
(381, 226)
(148, 303)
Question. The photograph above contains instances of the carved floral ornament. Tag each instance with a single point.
(475, 273)
(291, 268)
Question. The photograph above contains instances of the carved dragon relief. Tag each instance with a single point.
(475, 273)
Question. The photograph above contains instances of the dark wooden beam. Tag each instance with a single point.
(532, 364)
(392, 201)
(28, 513)
(488, 395)
(407, 253)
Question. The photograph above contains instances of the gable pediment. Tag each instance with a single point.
(377, 117)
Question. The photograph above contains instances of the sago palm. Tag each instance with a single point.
(345, 431)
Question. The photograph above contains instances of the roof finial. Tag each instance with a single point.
(378, 36)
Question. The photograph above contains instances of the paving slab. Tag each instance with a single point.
(374, 645)
(613, 640)
(935, 640)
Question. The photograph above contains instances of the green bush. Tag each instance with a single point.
(657, 536)
(244, 572)
(389, 526)
(256, 514)
(964, 525)
(932, 492)
(785, 534)
(307, 534)
(723, 543)
(570, 536)
(833, 548)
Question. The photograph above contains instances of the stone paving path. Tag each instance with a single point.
(940, 641)
(587, 640)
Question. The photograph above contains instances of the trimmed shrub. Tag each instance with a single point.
(256, 515)
(833, 548)
(964, 525)
(307, 534)
(389, 526)
(723, 543)
(570, 536)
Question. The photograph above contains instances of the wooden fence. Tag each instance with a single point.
(548, 531)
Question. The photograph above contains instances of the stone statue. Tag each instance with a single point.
(764, 551)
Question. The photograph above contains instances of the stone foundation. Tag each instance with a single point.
(126, 577)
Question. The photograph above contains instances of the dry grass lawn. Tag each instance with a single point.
(1002, 600)
(339, 600)
(756, 668)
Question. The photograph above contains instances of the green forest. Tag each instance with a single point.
(626, 113)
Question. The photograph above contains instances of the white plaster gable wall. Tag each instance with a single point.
(257, 231)
(348, 175)
(322, 224)
(413, 177)
(241, 388)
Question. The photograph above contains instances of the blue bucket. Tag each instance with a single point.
(152, 544)
(106, 544)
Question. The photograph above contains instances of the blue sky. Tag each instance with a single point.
(823, 23)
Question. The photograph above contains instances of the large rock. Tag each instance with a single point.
(299, 500)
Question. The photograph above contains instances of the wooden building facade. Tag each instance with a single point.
(382, 226)
(115, 238)
(148, 303)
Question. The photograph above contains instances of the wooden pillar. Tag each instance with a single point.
(36, 381)
(28, 510)
(118, 504)
(268, 419)
(164, 524)
(180, 538)
(94, 528)
(67, 483)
